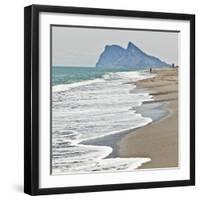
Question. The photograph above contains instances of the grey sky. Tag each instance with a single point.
(74, 46)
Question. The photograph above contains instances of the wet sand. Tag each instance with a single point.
(159, 139)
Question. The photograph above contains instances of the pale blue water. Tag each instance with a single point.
(66, 75)
(90, 103)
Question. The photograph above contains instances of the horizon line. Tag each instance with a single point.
(72, 66)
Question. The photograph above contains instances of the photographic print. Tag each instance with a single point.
(109, 99)
(114, 99)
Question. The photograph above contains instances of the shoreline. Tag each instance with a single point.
(159, 139)
(114, 140)
(153, 110)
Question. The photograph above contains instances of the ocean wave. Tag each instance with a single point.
(64, 87)
(132, 75)
(88, 158)
(92, 109)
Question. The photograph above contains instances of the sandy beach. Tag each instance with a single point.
(159, 139)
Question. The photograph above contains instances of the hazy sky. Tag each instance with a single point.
(74, 46)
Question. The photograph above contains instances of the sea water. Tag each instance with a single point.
(89, 103)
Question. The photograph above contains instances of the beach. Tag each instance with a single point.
(159, 139)
(120, 120)
(91, 113)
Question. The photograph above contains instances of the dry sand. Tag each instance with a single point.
(157, 140)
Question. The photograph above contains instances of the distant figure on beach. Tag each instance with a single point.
(150, 69)
(173, 65)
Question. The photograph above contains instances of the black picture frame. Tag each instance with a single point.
(31, 98)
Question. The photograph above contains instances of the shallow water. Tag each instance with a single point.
(89, 109)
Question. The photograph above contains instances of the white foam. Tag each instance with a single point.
(91, 109)
(64, 87)
(132, 75)
(87, 158)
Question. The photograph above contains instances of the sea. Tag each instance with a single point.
(90, 103)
